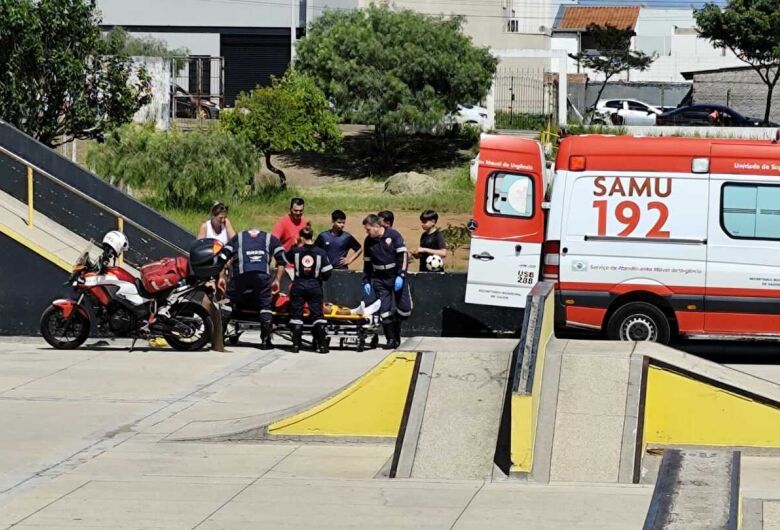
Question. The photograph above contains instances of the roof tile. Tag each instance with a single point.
(579, 18)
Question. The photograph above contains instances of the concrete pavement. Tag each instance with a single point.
(85, 443)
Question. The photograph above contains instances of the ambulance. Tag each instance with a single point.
(645, 238)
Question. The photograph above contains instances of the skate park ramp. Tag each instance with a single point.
(440, 400)
(50, 210)
(588, 411)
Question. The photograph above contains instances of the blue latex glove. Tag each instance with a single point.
(367, 289)
(399, 283)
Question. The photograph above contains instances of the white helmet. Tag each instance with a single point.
(116, 241)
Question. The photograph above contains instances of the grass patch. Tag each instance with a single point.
(454, 195)
(521, 120)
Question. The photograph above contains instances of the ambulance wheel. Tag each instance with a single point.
(639, 321)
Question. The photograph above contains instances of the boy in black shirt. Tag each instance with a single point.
(431, 241)
(337, 243)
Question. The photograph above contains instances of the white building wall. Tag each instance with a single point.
(195, 13)
(569, 43)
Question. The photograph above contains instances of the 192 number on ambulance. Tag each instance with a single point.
(629, 214)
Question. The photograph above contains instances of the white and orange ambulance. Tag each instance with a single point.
(646, 238)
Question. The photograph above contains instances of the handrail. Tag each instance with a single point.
(121, 219)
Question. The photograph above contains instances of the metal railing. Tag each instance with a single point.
(32, 169)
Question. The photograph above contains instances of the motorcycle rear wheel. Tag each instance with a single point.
(62, 333)
(191, 313)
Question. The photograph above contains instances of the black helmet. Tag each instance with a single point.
(205, 260)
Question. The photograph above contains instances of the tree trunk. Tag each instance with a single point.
(279, 172)
(770, 89)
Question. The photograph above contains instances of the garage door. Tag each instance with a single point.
(251, 60)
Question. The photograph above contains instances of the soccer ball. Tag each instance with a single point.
(435, 263)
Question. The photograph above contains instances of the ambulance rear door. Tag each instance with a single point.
(508, 222)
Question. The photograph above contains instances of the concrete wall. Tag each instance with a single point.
(741, 89)
(195, 13)
(486, 21)
(158, 111)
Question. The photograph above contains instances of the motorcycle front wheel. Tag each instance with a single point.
(197, 318)
(64, 333)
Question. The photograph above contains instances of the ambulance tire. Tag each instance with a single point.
(639, 321)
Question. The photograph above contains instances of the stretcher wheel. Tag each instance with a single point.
(374, 342)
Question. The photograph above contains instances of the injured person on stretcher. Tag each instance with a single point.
(351, 327)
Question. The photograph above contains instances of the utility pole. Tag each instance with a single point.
(293, 28)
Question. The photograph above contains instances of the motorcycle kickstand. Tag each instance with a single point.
(132, 344)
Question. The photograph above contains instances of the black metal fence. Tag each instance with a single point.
(197, 86)
(525, 99)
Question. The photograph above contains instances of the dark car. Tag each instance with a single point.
(186, 105)
(709, 116)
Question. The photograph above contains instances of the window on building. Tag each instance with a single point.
(510, 194)
(750, 211)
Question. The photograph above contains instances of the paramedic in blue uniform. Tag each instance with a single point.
(252, 251)
(312, 267)
(384, 273)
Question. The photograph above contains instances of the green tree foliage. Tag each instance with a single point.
(750, 29)
(397, 70)
(456, 236)
(613, 53)
(178, 169)
(292, 115)
(58, 79)
(132, 46)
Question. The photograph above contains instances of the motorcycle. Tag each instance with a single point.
(121, 305)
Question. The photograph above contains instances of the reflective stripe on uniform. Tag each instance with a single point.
(241, 253)
(384, 267)
(401, 249)
(403, 313)
(295, 322)
(386, 314)
(366, 258)
(317, 265)
(268, 253)
(297, 264)
(266, 311)
(327, 268)
(320, 321)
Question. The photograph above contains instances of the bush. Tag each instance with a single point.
(178, 169)
(521, 120)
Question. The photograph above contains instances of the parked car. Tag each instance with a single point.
(627, 112)
(186, 105)
(472, 114)
(706, 115)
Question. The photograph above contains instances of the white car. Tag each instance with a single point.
(472, 114)
(627, 112)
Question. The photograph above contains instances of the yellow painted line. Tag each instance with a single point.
(680, 410)
(524, 407)
(372, 406)
(35, 248)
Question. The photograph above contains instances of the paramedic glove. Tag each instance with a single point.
(399, 283)
(367, 288)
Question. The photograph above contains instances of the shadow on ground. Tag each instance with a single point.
(359, 157)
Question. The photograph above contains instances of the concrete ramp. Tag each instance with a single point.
(453, 421)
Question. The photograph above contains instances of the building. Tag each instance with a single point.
(253, 38)
(669, 34)
(740, 88)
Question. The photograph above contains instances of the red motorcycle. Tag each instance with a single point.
(165, 302)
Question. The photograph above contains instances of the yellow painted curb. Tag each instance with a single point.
(35, 248)
(680, 410)
(372, 406)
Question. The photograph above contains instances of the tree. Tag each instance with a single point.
(132, 46)
(58, 78)
(292, 115)
(750, 29)
(613, 53)
(397, 70)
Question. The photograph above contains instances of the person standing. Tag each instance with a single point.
(217, 226)
(386, 218)
(252, 251)
(288, 228)
(337, 243)
(384, 272)
(432, 241)
(312, 267)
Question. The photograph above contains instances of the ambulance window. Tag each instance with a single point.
(510, 195)
(751, 211)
